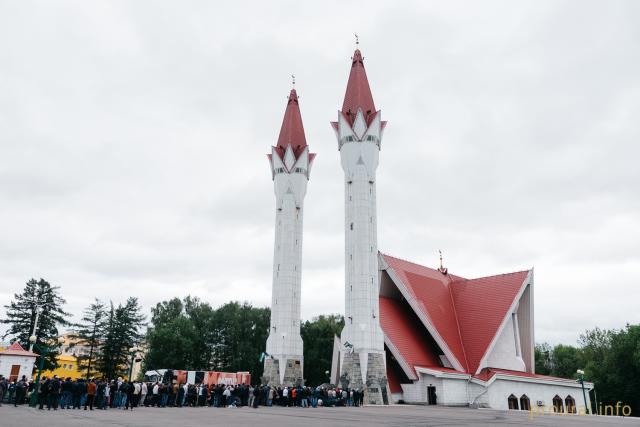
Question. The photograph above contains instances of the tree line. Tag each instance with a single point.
(184, 334)
(190, 334)
(609, 358)
(107, 331)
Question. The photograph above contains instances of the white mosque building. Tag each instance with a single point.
(412, 334)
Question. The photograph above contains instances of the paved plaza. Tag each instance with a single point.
(397, 415)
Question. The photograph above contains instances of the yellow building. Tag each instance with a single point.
(67, 367)
(67, 361)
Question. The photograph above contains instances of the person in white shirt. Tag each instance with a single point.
(227, 397)
(156, 394)
(143, 393)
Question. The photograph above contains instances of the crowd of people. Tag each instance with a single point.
(54, 393)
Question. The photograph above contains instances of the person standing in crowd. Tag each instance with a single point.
(10, 391)
(107, 395)
(101, 387)
(53, 395)
(130, 391)
(137, 389)
(143, 393)
(65, 400)
(252, 396)
(76, 393)
(91, 394)
(21, 388)
(180, 395)
(226, 397)
(164, 395)
(4, 387)
(270, 393)
(42, 392)
(173, 394)
(156, 395)
(83, 392)
(256, 395)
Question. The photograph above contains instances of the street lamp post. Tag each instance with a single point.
(44, 350)
(35, 327)
(580, 373)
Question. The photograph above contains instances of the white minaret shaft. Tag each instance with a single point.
(359, 158)
(359, 132)
(290, 164)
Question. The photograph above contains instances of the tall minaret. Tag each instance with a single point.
(359, 131)
(290, 165)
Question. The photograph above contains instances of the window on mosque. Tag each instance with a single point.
(571, 404)
(525, 404)
(557, 404)
(349, 139)
(513, 402)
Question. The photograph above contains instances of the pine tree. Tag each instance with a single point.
(123, 332)
(21, 316)
(90, 333)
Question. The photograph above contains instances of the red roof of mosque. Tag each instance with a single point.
(16, 349)
(358, 93)
(466, 314)
(407, 336)
(292, 131)
(479, 322)
(487, 373)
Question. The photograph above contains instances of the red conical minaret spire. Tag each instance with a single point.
(292, 131)
(358, 93)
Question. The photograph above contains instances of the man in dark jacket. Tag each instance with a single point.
(43, 388)
(53, 395)
(21, 392)
(67, 387)
(256, 395)
(4, 387)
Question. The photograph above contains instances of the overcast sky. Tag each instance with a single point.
(133, 138)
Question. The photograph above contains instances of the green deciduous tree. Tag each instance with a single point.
(610, 359)
(180, 335)
(21, 316)
(612, 362)
(543, 358)
(189, 334)
(317, 336)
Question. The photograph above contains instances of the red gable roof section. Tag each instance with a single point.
(430, 289)
(16, 349)
(358, 93)
(292, 131)
(407, 336)
(482, 305)
(465, 313)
